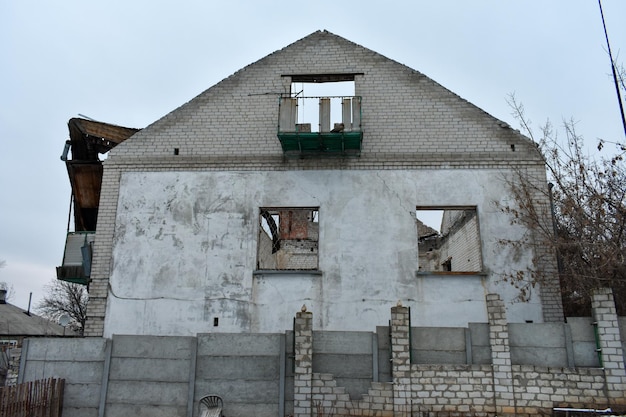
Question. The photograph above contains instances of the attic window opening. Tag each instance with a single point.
(325, 106)
(448, 240)
(288, 238)
(320, 116)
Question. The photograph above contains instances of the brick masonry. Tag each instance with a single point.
(499, 389)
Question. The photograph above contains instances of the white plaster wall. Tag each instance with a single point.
(185, 244)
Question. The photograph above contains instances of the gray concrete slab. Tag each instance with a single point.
(81, 395)
(79, 372)
(342, 342)
(344, 366)
(582, 329)
(540, 356)
(147, 393)
(74, 349)
(227, 344)
(238, 367)
(139, 410)
(149, 369)
(548, 335)
(438, 338)
(240, 391)
(152, 347)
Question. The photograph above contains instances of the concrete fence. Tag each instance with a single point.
(494, 368)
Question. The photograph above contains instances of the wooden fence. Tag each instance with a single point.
(43, 398)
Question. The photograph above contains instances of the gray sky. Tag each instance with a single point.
(131, 62)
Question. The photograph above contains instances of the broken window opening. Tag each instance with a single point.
(448, 240)
(326, 107)
(320, 116)
(288, 239)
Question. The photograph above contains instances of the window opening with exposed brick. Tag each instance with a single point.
(288, 239)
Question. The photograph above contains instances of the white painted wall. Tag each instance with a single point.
(185, 243)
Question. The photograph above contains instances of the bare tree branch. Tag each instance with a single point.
(65, 298)
(589, 212)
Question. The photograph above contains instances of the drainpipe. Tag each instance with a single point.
(597, 338)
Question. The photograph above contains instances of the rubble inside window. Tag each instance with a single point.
(288, 239)
(448, 240)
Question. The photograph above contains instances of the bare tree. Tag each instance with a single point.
(586, 228)
(62, 298)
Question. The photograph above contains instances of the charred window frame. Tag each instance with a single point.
(448, 240)
(288, 238)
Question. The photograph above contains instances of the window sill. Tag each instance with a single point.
(451, 273)
(287, 272)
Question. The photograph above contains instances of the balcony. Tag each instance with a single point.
(76, 265)
(303, 132)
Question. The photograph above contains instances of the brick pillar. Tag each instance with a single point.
(400, 360)
(610, 345)
(500, 356)
(303, 374)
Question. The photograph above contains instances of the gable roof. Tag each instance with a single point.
(238, 115)
(15, 322)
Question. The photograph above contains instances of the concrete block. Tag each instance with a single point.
(479, 333)
(76, 372)
(150, 369)
(69, 411)
(438, 338)
(346, 366)
(547, 335)
(342, 342)
(153, 393)
(238, 344)
(239, 391)
(152, 347)
(481, 355)
(541, 356)
(238, 367)
(81, 396)
(439, 357)
(139, 410)
(256, 410)
(51, 349)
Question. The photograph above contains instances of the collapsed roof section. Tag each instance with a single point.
(88, 139)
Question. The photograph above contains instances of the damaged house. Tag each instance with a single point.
(300, 180)
(330, 183)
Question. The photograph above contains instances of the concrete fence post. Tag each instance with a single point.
(303, 373)
(400, 360)
(610, 345)
(503, 389)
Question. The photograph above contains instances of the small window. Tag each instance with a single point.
(288, 239)
(448, 240)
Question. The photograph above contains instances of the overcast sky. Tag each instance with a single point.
(131, 62)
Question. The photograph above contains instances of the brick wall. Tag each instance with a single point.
(500, 388)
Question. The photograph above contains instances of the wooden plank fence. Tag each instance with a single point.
(43, 398)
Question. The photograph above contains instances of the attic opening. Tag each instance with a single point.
(288, 239)
(448, 240)
(320, 116)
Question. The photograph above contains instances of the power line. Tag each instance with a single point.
(617, 90)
